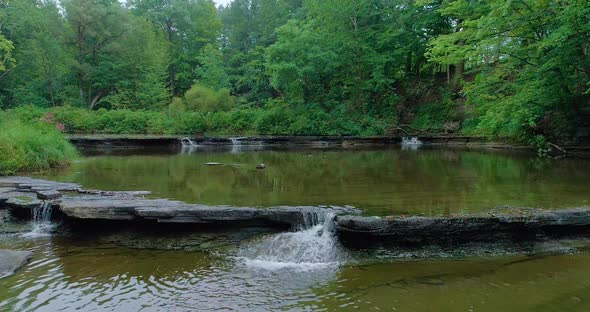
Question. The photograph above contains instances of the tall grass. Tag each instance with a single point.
(33, 146)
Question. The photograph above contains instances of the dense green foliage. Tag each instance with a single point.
(272, 119)
(509, 69)
(32, 147)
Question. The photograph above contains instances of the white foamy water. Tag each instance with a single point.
(187, 142)
(313, 246)
(41, 221)
(411, 141)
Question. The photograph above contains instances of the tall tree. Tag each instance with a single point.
(189, 26)
(38, 32)
(115, 53)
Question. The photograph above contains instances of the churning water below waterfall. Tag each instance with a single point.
(313, 246)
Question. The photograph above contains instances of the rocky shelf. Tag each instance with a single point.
(500, 223)
(22, 195)
(581, 149)
(151, 141)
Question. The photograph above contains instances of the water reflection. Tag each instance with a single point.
(381, 182)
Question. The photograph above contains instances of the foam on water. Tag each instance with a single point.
(312, 247)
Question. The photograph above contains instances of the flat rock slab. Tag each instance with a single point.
(12, 260)
(468, 227)
(23, 194)
(168, 211)
(48, 194)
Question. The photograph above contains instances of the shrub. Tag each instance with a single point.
(203, 99)
(33, 147)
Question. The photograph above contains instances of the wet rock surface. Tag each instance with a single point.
(20, 193)
(501, 223)
(12, 260)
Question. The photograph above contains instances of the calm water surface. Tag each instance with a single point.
(135, 269)
(380, 182)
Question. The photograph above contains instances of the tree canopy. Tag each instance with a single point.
(514, 69)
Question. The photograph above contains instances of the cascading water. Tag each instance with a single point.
(41, 220)
(187, 142)
(411, 143)
(235, 141)
(313, 246)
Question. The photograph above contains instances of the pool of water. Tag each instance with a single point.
(80, 273)
(105, 267)
(386, 181)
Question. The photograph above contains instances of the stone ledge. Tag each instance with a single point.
(487, 226)
(21, 195)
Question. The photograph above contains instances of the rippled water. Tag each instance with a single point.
(70, 273)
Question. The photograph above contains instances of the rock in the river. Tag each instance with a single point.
(12, 260)
(48, 194)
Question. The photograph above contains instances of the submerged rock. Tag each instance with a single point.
(214, 164)
(12, 260)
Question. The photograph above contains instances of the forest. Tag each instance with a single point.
(513, 70)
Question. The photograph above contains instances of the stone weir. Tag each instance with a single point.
(23, 195)
(117, 141)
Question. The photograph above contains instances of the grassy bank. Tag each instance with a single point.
(34, 146)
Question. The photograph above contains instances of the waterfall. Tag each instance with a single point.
(187, 142)
(41, 220)
(410, 143)
(235, 141)
(314, 245)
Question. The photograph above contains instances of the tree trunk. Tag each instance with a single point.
(171, 70)
(95, 100)
(457, 74)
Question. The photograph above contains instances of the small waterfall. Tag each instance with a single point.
(313, 246)
(410, 143)
(236, 141)
(187, 142)
(41, 220)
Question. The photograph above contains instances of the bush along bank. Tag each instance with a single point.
(33, 146)
(275, 120)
